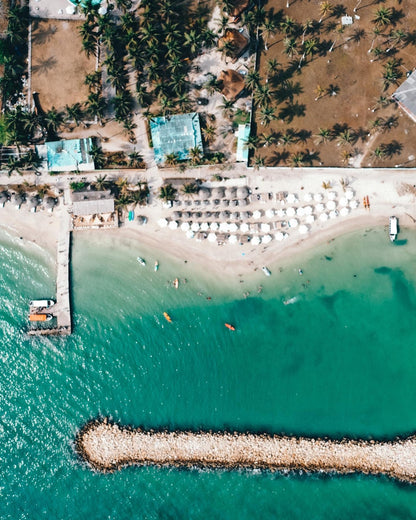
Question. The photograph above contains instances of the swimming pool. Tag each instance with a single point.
(84, 2)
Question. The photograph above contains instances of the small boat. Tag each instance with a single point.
(266, 271)
(393, 228)
(229, 326)
(168, 318)
(141, 260)
(367, 200)
(176, 283)
(156, 265)
(41, 304)
(40, 317)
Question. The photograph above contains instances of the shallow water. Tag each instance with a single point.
(339, 359)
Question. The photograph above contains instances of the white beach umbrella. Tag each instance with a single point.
(214, 226)
(290, 212)
(332, 195)
(291, 198)
(266, 239)
(257, 214)
(232, 228)
(212, 237)
(309, 219)
(204, 226)
(185, 226)
(353, 204)
(194, 226)
(300, 212)
(162, 222)
(281, 212)
(323, 217)
(232, 239)
(331, 205)
(279, 236)
(293, 223)
(333, 214)
(224, 227)
(70, 9)
(244, 227)
(265, 227)
(256, 240)
(285, 236)
(190, 234)
(270, 213)
(307, 210)
(303, 229)
(307, 197)
(318, 197)
(320, 208)
(349, 194)
(344, 212)
(173, 224)
(343, 201)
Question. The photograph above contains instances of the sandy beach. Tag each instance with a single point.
(385, 190)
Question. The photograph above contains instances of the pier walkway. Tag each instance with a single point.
(63, 298)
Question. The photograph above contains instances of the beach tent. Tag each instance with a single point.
(333, 214)
(293, 223)
(265, 228)
(217, 193)
(318, 197)
(256, 240)
(353, 204)
(349, 194)
(244, 227)
(307, 210)
(242, 192)
(303, 229)
(230, 193)
(323, 217)
(185, 226)
(343, 201)
(291, 198)
(332, 195)
(232, 239)
(266, 239)
(50, 203)
(307, 197)
(256, 214)
(235, 215)
(344, 212)
(177, 214)
(232, 228)
(195, 226)
(309, 219)
(224, 227)
(331, 205)
(242, 202)
(224, 214)
(204, 193)
(300, 212)
(204, 226)
(212, 237)
(290, 212)
(214, 226)
(279, 236)
(320, 208)
(270, 213)
(18, 200)
(245, 215)
(225, 202)
(281, 212)
(190, 234)
(4, 197)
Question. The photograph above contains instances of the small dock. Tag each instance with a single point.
(62, 309)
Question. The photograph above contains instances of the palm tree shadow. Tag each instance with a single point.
(44, 36)
(44, 65)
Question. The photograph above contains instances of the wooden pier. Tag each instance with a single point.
(62, 309)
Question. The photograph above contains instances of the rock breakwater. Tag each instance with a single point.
(106, 446)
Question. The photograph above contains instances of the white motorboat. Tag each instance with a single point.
(266, 271)
(41, 304)
(393, 228)
(141, 260)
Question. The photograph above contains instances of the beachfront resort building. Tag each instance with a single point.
(232, 84)
(69, 155)
(405, 96)
(93, 210)
(176, 134)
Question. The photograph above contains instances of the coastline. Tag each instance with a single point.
(106, 447)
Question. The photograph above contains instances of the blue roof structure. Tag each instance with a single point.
(67, 155)
(242, 137)
(175, 134)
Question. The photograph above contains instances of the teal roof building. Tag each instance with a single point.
(68, 155)
(175, 134)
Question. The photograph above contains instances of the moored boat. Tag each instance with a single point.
(141, 260)
(266, 271)
(40, 317)
(167, 317)
(156, 265)
(229, 326)
(176, 283)
(393, 228)
(41, 304)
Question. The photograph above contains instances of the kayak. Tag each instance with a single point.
(229, 326)
(168, 318)
(156, 265)
(141, 260)
(176, 283)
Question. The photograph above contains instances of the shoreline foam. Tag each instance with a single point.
(106, 446)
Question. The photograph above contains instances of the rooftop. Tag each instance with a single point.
(405, 95)
(92, 202)
(232, 83)
(67, 155)
(175, 134)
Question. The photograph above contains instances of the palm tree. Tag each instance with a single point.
(290, 45)
(74, 113)
(307, 26)
(268, 29)
(189, 189)
(310, 46)
(252, 79)
(122, 201)
(383, 16)
(288, 26)
(123, 105)
(98, 157)
(227, 107)
(397, 37)
(195, 155)
(262, 95)
(379, 153)
(97, 105)
(267, 115)
(297, 159)
(122, 185)
(346, 137)
(289, 137)
(272, 66)
(53, 120)
(192, 41)
(345, 157)
(323, 135)
(258, 162)
(171, 159)
(136, 160)
(267, 140)
(332, 90)
(101, 183)
(167, 193)
(319, 91)
(325, 8)
(209, 133)
(252, 142)
(93, 80)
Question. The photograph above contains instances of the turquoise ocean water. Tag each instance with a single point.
(339, 360)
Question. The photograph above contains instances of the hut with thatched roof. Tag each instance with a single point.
(237, 8)
(4, 197)
(234, 43)
(34, 202)
(231, 83)
(18, 200)
(50, 203)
